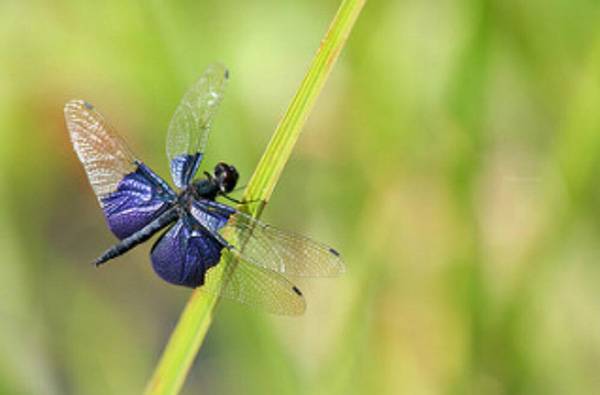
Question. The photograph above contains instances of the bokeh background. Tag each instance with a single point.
(453, 157)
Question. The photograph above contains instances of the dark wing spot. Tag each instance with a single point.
(88, 105)
(334, 252)
(226, 74)
(297, 290)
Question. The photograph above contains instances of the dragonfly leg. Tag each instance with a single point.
(241, 202)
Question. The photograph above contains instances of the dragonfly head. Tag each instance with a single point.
(226, 177)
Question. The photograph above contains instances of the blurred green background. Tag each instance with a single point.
(453, 158)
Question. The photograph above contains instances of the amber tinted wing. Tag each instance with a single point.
(103, 153)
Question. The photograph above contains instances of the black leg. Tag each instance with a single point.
(237, 201)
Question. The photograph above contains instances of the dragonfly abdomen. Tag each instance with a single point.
(165, 219)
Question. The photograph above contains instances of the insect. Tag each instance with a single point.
(137, 204)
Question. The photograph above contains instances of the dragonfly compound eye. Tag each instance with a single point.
(227, 176)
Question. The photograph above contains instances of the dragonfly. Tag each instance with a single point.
(198, 230)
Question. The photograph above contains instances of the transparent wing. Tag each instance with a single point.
(189, 128)
(130, 193)
(271, 248)
(102, 152)
(254, 286)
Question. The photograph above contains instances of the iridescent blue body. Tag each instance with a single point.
(184, 167)
(186, 251)
(137, 204)
(143, 204)
(140, 196)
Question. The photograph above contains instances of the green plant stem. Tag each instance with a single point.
(188, 335)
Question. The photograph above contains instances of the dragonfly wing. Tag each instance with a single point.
(271, 248)
(190, 126)
(130, 194)
(186, 253)
(105, 156)
(254, 286)
(183, 255)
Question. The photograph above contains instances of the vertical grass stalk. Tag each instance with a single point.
(188, 335)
